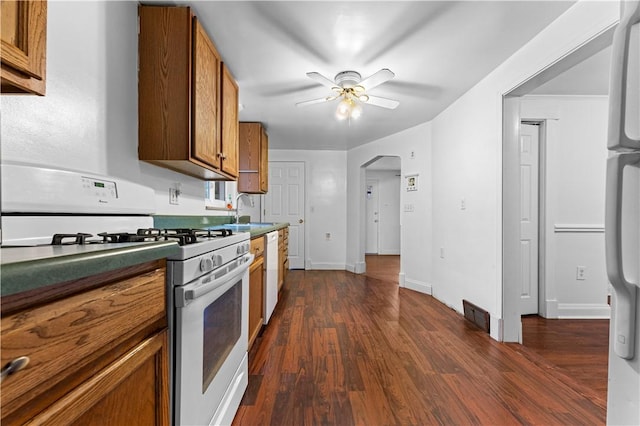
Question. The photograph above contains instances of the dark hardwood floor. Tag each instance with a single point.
(383, 267)
(346, 349)
(581, 347)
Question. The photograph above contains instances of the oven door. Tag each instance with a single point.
(211, 333)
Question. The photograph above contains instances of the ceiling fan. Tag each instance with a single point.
(352, 90)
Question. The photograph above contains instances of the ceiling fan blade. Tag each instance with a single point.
(377, 79)
(382, 102)
(314, 101)
(321, 79)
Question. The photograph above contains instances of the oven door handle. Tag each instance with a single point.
(185, 294)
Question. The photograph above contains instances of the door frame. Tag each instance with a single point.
(509, 328)
(366, 214)
(542, 210)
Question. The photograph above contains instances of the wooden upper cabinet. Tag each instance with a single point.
(24, 46)
(254, 161)
(206, 98)
(230, 125)
(264, 162)
(182, 124)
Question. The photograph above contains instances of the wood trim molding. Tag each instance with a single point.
(578, 228)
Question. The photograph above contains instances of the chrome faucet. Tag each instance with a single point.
(240, 194)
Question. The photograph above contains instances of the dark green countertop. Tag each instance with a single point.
(29, 268)
(254, 229)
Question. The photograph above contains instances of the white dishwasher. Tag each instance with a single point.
(271, 283)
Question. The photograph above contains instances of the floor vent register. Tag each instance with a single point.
(476, 315)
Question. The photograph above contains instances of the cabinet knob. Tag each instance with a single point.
(300, 221)
(13, 366)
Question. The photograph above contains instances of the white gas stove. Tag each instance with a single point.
(207, 279)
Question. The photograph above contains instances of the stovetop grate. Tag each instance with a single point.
(183, 236)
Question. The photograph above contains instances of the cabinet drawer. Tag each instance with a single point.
(132, 375)
(63, 337)
(257, 246)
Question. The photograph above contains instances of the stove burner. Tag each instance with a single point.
(190, 235)
(183, 236)
(125, 237)
(79, 238)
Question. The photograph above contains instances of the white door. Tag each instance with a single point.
(284, 202)
(373, 217)
(529, 218)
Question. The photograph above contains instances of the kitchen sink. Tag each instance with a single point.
(247, 226)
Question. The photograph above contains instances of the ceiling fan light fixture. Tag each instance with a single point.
(350, 89)
(348, 108)
(356, 111)
(344, 109)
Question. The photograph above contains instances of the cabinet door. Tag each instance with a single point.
(264, 162)
(256, 296)
(251, 135)
(205, 141)
(24, 39)
(280, 258)
(230, 126)
(131, 391)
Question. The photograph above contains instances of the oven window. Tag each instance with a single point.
(222, 328)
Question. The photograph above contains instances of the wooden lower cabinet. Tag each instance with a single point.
(98, 356)
(283, 255)
(127, 392)
(256, 289)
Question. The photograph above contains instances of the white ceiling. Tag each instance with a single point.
(589, 77)
(437, 49)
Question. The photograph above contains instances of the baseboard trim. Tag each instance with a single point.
(418, 286)
(497, 326)
(360, 268)
(401, 279)
(384, 252)
(328, 266)
(552, 309)
(356, 268)
(584, 311)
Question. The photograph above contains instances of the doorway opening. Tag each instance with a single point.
(562, 261)
(382, 217)
(565, 224)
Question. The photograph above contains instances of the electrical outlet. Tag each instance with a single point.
(327, 236)
(463, 204)
(408, 207)
(173, 196)
(581, 273)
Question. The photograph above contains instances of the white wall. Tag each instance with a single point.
(389, 189)
(325, 205)
(88, 119)
(415, 235)
(575, 160)
(467, 163)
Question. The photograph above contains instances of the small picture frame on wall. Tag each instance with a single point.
(412, 182)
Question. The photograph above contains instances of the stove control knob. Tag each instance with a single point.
(217, 260)
(206, 264)
(239, 249)
(246, 247)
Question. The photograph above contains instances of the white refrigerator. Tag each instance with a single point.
(622, 219)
